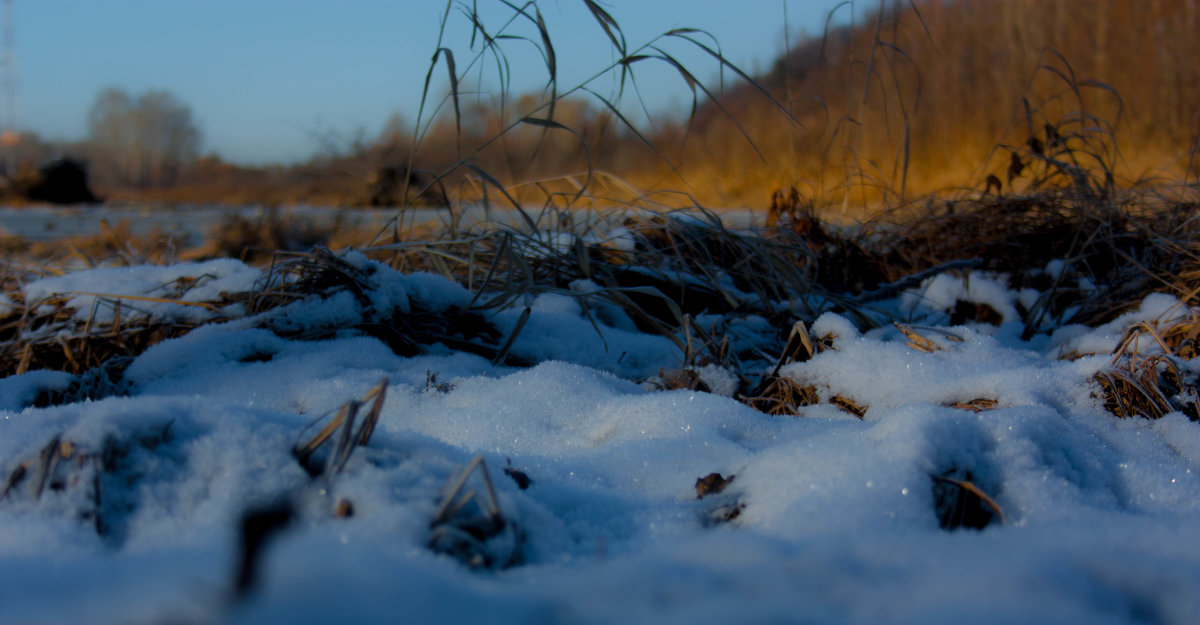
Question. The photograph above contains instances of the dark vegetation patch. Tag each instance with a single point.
(961, 504)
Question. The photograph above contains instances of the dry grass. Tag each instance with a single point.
(87, 479)
(49, 334)
(256, 240)
(483, 538)
(343, 422)
(909, 102)
(1151, 385)
(116, 243)
(665, 269)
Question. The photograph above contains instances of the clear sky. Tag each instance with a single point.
(264, 77)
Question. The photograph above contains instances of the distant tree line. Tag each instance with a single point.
(917, 95)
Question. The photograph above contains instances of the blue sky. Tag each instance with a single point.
(264, 77)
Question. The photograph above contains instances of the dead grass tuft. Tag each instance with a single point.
(49, 334)
(343, 423)
(1151, 386)
(481, 537)
(256, 240)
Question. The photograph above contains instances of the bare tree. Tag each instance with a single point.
(144, 141)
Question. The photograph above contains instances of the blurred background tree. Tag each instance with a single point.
(141, 142)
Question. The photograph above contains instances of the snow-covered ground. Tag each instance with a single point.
(828, 518)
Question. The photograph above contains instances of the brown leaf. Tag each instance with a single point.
(711, 484)
(976, 405)
(848, 405)
(916, 341)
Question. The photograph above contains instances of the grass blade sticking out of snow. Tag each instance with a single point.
(378, 395)
(343, 421)
(780, 395)
(728, 508)
(345, 440)
(799, 348)
(482, 540)
(712, 484)
(47, 461)
(15, 477)
(916, 341)
(962, 504)
(258, 525)
(502, 353)
(849, 405)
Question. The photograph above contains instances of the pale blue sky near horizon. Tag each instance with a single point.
(265, 78)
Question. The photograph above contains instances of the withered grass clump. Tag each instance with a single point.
(115, 243)
(839, 260)
(343, 423)
(257, 239)
(51, 335)
(482, 538)
(1152, 385)
(658, 268)
(1127, 251)
(778, 394)
(662, 271)
(1116, 243)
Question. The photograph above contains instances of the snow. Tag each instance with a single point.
(941, 292)
(1156, 311)
(718, 379)
(85, 288)
(881, 371)
(835, 515)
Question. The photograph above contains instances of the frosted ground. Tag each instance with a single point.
(829, 518)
